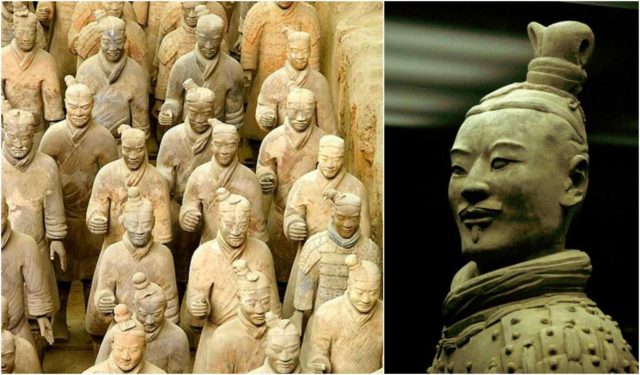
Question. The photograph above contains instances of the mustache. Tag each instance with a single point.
(469, 211)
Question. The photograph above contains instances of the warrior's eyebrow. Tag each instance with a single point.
(459, 151)
(508, 145)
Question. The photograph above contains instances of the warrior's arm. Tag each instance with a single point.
(110, 151)
(296, 210)
(307, 281)
(165, 164)
(234, 103)
(140, 106)
(172, 312)
(51, 93)
(199, 287)
(267, 165)
(38, 293)
(266, 105)
(99, 203)
(191, 202)
(54, 217)
(162, 231)
(175, 91)
(251, 35)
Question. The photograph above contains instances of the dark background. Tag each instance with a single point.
(421, 241)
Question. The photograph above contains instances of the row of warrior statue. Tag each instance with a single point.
(199, 237)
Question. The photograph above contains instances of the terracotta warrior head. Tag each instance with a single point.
(301, 105)
(150, 303)
(78, 100)
(282, 345)
(200, 106)
(346, 212)
(18, 129)
(209, 30)
(225, 142)
(113, 8)
(519, 164)
(24, 28)
(138, 219)
(254, 292)
(234, 213)
(129, 340)
(8, 352)
(191, 10)
(134, 147)
(330, 155)
(363, 286)
(298, 48)
(113, 35)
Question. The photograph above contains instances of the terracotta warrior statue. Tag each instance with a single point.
(87, 42)
(287, 153)
(23, 273)
(113, 282)
(308, 213)
(296, 72)
(209, 67)
(238, 345)
(55, 17)
(211, 294)
(167, 344)
(183, 149)
(119, 83)
(30, 76)
(9, 9)
(84, 13)
(109, 194)
(176, 44)
(519, 173)
(264, 49)
(199, 206)
(322, 274)
(80, 148)
(128, 346)
(345, 334)
(18, 355)
(33, 192)
(282, 349)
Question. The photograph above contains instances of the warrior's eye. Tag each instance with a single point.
(499, 163)
(457, 170)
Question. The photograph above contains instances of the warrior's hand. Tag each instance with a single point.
(57, 247)
(298, 231)
(268, 120)
(268, 184)
(106, 304)
(98, 225)
(316, 366)
(46, 330)
(199, 308)
(165, 118)
(191, 220)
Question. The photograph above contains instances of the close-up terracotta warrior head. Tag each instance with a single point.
(301, 105)
(298, 48)
(234, 215)
(25, 29)
(209, 33)
(18, 133)
(330, 156)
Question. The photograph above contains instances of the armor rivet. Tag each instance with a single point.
(595, 360)
(553, 350)
(528, 344)
(572, 322)
(609, 338)
(601, 329)
(508, 349)
(515, 335)
(515, 321)
(511, 368)
(583, 304)
(549, 332)
(571, 308)
(544, 321)
(626, 365)
(592, 349)
(553, 363)
(591, 311)
(586, 330)
(468, 366)
(494, 335)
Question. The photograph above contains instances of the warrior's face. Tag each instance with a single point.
(255, 304)
(139, 225)
(330, 161)
(363, 295)
(127, 351)
(225, 147)
(150, 312)
(199, 113)
(283, 353)
(298, 52)
(300, 113)
(134, 152)
(512, 181)
(234, 226)
(25, 35)
(112, 44)
(18, 139)
(284, 4)
(8, 353)
(113, 8)
(189, 14)
(209, 39)
(79, 106)
(346, 220)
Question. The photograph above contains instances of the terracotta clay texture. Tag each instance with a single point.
(167, 345)
(138, 251)
(8, 10)
(282, 348)
(323, 274)
(287, 153)
(211, 294)
(296, 72)
(119, 84)
(183, 149)
(223, 171)
(519, 173)
(237, 346)
(213, 69)
(345, 334)
(264, 47)
(32, 189)
(18, 355)
(307, 212)
(30, 77)
(128, 342)
(56, 17)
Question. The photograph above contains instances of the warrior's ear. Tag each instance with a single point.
(536, 34)
(576, 182)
